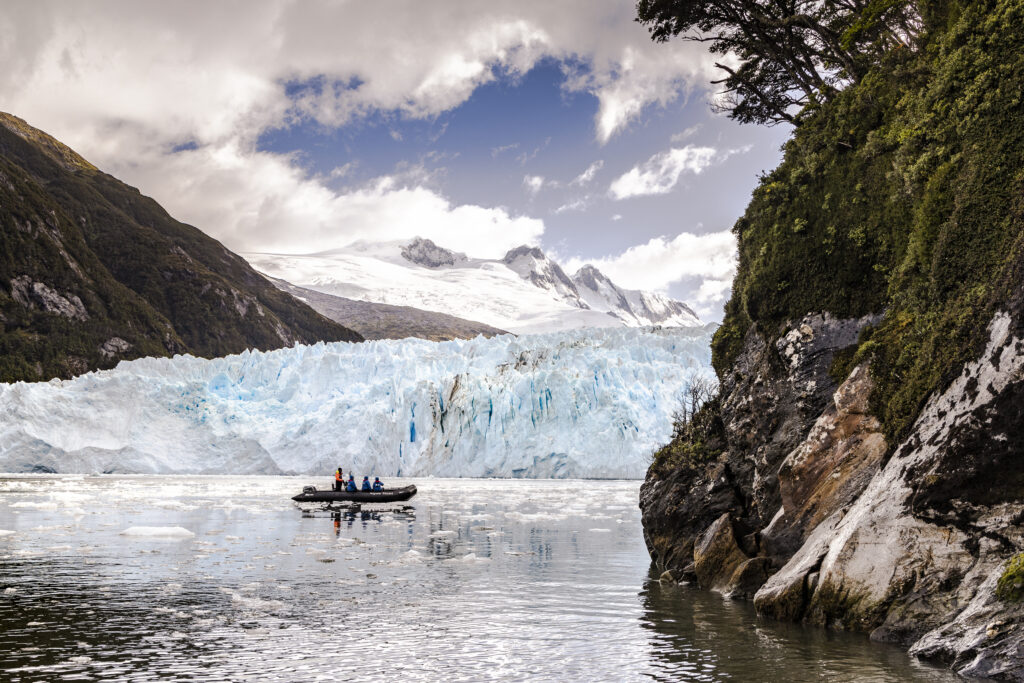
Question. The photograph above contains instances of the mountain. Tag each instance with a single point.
(862, 466)
(633, 307)
(92, 272)
(523, 292)
(538, 406)
(384, 321)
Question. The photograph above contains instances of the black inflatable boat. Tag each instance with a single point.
(311, 495)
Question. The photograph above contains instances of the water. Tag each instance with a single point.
(480, 580)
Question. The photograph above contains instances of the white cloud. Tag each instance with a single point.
(617, 217)
(686, 134)
(126, 83)
(660, 173)
(588, 175)
(533, 183)
(574, 205)
(662, 262)
(260, 202)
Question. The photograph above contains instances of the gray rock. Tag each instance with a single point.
(716, 555)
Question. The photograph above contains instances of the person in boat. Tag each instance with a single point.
(351, 483)
(339, 480)
(366, 484)
(378, 485)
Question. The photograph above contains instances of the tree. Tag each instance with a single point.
(784, 58)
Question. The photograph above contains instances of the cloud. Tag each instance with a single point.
(588, 175)
(533, 183)
(495, 151)
(174, 105)
(662, 262)
(259, 202)
(574, 205)
(686, 134)
(660, 173)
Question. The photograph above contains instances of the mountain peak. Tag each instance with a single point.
(424, 252)
(532, 264)
(524, 250)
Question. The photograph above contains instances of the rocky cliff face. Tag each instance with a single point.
(810, 513)
(863, 469)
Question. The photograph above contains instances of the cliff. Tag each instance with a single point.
(862, 466)
(92, 272)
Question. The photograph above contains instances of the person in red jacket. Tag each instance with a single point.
(339, 481)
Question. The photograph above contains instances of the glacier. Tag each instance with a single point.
(589, 403)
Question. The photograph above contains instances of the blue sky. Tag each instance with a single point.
(298, 127)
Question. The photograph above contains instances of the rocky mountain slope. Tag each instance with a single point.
(862, 466)
(525, 291)
(92, 272)
(383, 321)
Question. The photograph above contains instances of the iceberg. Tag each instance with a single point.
(591, 403)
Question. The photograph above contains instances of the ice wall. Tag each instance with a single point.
(586, 403)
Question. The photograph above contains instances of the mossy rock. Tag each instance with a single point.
(1011, 584)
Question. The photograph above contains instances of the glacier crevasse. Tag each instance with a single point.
(585, 403)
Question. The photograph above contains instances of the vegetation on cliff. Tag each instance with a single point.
(92, 272)
(902, 193)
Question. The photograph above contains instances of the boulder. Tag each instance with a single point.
(716, 555)
(748, 578)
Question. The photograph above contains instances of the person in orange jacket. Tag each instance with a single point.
(339, 481)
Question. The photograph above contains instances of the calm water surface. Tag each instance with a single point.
(478, 580)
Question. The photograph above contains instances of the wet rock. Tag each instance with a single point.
(748, 578)
(666, 577)
(716, 555)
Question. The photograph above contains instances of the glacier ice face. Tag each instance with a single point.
(585, 403)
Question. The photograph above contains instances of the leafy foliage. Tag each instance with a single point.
(785, 58)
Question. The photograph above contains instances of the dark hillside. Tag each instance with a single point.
(93, 272)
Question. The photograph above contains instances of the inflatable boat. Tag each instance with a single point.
(310, 494)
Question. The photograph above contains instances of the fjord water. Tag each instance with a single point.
(224, 578)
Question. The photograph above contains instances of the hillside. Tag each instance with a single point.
(862, 466)
(92, 272)
(384, 321)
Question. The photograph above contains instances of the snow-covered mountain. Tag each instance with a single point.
(524, 292)
(586, 403)
(632, 306)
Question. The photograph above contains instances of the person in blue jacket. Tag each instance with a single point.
(378, 485)
(366, 484)
(351, 486)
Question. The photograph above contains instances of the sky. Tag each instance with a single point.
(296, 127)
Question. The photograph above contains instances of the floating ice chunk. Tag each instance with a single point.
(6, 532)
(35, 505)
(601, 530)
(169, 532)
(442, 535)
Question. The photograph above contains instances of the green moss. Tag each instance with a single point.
(1011, 584)
(905, 195)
